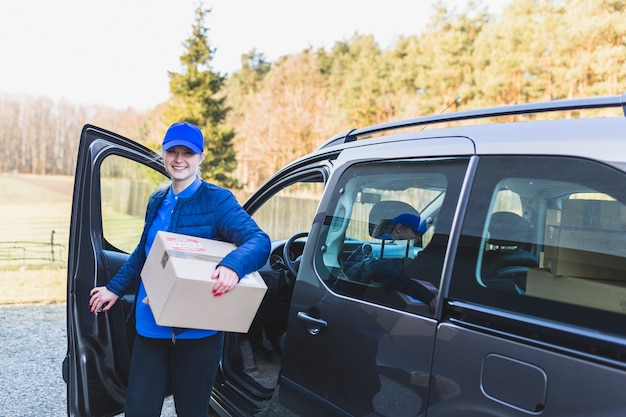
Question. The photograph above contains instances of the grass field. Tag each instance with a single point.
(34, 212)
(34, 233)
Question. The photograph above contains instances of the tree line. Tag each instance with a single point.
(267, 113)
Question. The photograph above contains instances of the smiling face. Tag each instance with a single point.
(182, 164)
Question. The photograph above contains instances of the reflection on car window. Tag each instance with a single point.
(125, 188)
(385, 239)
(553, 231)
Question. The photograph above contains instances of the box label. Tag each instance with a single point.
(186, 245)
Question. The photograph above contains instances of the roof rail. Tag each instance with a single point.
(518, 109)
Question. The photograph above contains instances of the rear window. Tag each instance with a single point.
(545, 237)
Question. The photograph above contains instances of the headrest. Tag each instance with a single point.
(385, 211)
(509, 229)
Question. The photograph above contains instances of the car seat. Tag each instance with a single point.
(381, 215)
(508, 258)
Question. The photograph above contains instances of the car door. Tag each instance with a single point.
(284, 207)
(355, 348)
(534, 322)
(114, 177)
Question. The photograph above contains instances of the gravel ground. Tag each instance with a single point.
(33, 344)
(33, 347)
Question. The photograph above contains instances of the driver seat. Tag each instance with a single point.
(384, 211)
(381, 215)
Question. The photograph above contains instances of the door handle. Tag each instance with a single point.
(313, 325)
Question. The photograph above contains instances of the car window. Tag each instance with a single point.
(125, 188)
(544, 236)
(292, 208)
(365, 254)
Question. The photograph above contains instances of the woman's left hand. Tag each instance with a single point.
(226, 280)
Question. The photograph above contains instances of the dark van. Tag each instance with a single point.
(518, 235)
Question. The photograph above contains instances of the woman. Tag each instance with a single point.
(184, 360)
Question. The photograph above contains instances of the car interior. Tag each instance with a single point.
(549, 239)
(508, 255)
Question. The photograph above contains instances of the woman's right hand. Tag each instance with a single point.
(101, 299)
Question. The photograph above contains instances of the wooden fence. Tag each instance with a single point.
(20, 252)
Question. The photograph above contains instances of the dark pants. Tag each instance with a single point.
(188, 367)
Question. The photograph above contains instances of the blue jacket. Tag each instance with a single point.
(212, 212)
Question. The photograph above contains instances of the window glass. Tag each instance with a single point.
(545, 236)
(125, 188)
(385, 238)
(292, 209)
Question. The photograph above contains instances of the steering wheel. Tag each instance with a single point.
(290, 265)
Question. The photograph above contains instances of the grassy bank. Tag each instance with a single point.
(34, 232)
(40, 286)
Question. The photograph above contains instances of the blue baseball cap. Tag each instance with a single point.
(411, 220)
(184, 134)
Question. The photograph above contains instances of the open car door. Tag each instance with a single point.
(114, 177)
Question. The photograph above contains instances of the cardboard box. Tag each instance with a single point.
(585, 253)
(592, 214)
(177, 277)
(603, 295)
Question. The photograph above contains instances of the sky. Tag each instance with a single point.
(117, 53)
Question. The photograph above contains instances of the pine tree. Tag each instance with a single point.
(196, 99)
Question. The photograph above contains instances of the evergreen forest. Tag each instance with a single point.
(266, 114)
